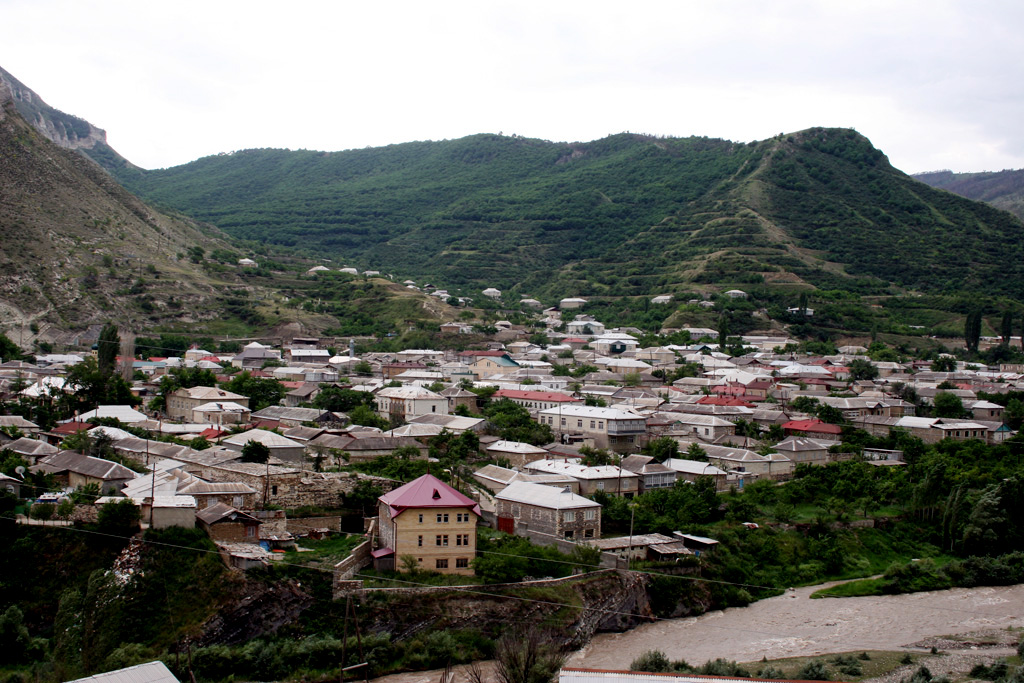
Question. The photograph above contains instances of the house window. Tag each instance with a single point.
(600, 425)
(579, 423)
(421, 519)
(441, 564)
(568, 533)
(563, 421)
(442, 540)
(419, 540)
(569, 516)
(273, 490)
(462, 539)
(600, 486)
(591, 424)
(433, 409)
(442, 519)
(250, 531)
(588, 533)
(589, 515)
(461, 562)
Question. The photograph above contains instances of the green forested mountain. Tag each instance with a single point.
(628, 214)
(1002, 189)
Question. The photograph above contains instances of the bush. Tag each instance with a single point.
(813, 671)
(42, 511)
(653, 661)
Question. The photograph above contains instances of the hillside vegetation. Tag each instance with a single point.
(1001, 189)
(628, 214)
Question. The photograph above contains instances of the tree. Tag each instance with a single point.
(363, 415)
(695, 452)
(1006, 327)
(525, 655)
(339, 400)
(120, 518)
(861, 369)
(261, 392)
(662, 448)
(254, 451)
(651, 661)
(972, 330)
(8, 349)
(943, 364)
(363, 497)
(106, 349)
(948, 405)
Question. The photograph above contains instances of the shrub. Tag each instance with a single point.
(814, 670)
(653, 661)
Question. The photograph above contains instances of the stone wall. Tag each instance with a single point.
(302, 525)
(358, 559)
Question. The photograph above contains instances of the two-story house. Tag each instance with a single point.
(429, 521)
(524, 507)
(618, 430)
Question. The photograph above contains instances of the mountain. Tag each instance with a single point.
(65, 130)
(1001, 189)
(625, 215)
(79, 249)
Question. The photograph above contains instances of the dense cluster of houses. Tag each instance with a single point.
(544, 491)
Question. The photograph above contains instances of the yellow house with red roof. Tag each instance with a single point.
(430, 521)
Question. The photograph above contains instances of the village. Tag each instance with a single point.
(614, 421)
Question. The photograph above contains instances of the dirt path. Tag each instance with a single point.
(794, 625)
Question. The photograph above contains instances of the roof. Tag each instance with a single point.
(210, 394)
(125, 414)
(544, 496)
(577, 471)
(222, 512)
(269, 439)
(550, 396)
(515, 447)
(812, 426)
(426, 492)
(86, 465)
(150, 672)
(589, 411)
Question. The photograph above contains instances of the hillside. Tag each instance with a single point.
(1001, 189)
(79, 249)
(627, 214)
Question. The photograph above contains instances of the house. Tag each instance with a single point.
(295, 417)
(516, 453)
(642, 547)
(487, 363)
(76, 470)
(606, 478)
(181, 402)
(223, 523)
(705, 427)
(31, 449)
(571, 302)
(805, 450)
(221, 413)
(653, 475)
(537, 400)
(691, 470)
(618, 430)
(495, 478)
(401, 403)
(584, 326)
(813, 428)
(429, 521)
(280, 447)
(524, 507)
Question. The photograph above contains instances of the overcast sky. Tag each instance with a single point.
(934, 84)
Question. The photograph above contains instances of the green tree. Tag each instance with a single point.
(695, 452)
(8, 349)
(365, 416)
(120, 518)
(662, 449)
(363, 497)
(948, 405)
(651, 661)
(254, 451)
(340, 400)
(262, 392)
(108, 345)
(972, 330)
(861, 369)
(943, 364)
(1006, 327)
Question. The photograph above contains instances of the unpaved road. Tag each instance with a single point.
(793, 625)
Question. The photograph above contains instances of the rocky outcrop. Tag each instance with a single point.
(261, 611)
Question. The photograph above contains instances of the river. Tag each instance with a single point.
(794, 625)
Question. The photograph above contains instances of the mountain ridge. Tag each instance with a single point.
(822, 205)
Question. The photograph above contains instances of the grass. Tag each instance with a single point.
(333, 547)
(880, 663)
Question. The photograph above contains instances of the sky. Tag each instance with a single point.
(936, 84)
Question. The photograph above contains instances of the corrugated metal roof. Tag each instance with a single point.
(150, 672)
(427, 492)
(544, 496)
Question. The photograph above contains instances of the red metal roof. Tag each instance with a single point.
(552, 396)
(812, 426)
(723, 401)
(426, 492)
(72, 427)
